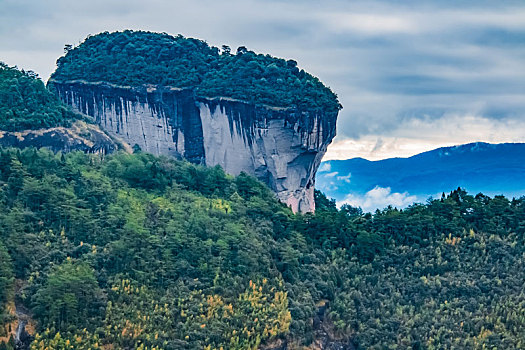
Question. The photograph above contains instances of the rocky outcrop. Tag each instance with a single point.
(282, 147)
(81, 136)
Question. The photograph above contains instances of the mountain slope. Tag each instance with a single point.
(132, 251)
(478, 167)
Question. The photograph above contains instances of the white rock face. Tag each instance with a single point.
(139, 125)
(281, 147)
(135, 122)
(224, 143)
(286, 158)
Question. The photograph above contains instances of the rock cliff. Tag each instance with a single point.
(282, 147)
(80, 136)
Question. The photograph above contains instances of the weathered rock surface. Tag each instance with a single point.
(80, 136)
(282, 147)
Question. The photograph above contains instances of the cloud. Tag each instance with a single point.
(325, 167)
(333, 174)
(394, 64)
(345, 178)
(379, 198)
(328, 187)
(369, 23)
(379, 144)
(416, 135)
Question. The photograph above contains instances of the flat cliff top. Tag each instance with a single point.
(25, 103)
(132, 58)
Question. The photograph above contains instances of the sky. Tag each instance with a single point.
(412, 75)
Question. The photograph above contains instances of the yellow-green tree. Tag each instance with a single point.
(50, 340)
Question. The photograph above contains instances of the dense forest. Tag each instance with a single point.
(25, 103)
(132, 58)
(131, 251)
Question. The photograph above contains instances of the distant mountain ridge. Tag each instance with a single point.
(478, 167)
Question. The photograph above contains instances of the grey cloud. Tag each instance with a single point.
(389, 61)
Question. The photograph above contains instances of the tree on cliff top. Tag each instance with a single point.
(25, 103)
(136, 58)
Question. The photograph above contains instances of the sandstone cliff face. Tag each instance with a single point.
(282, 147)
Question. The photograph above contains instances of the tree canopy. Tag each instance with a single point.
(132, 58)
(25, 103)
(132, 251)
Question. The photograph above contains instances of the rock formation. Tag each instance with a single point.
(80, 136)
(282, 147)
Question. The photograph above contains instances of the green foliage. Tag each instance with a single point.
(138, 317)
(324, 204)
(9, 345)
(136, 251)
(25, 103)
(131, 58)
(70, 297)
(6, 282)
(444, 280)
(81, 340)
(450, 294)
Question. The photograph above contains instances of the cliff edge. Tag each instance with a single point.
(282, 147)
(181, 97)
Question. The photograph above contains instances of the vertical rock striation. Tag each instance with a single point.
(282, 147)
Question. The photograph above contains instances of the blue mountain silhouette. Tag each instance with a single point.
(477, 167)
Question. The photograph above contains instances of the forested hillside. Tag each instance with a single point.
(132, 58)
(25, 103)
(138, 252)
